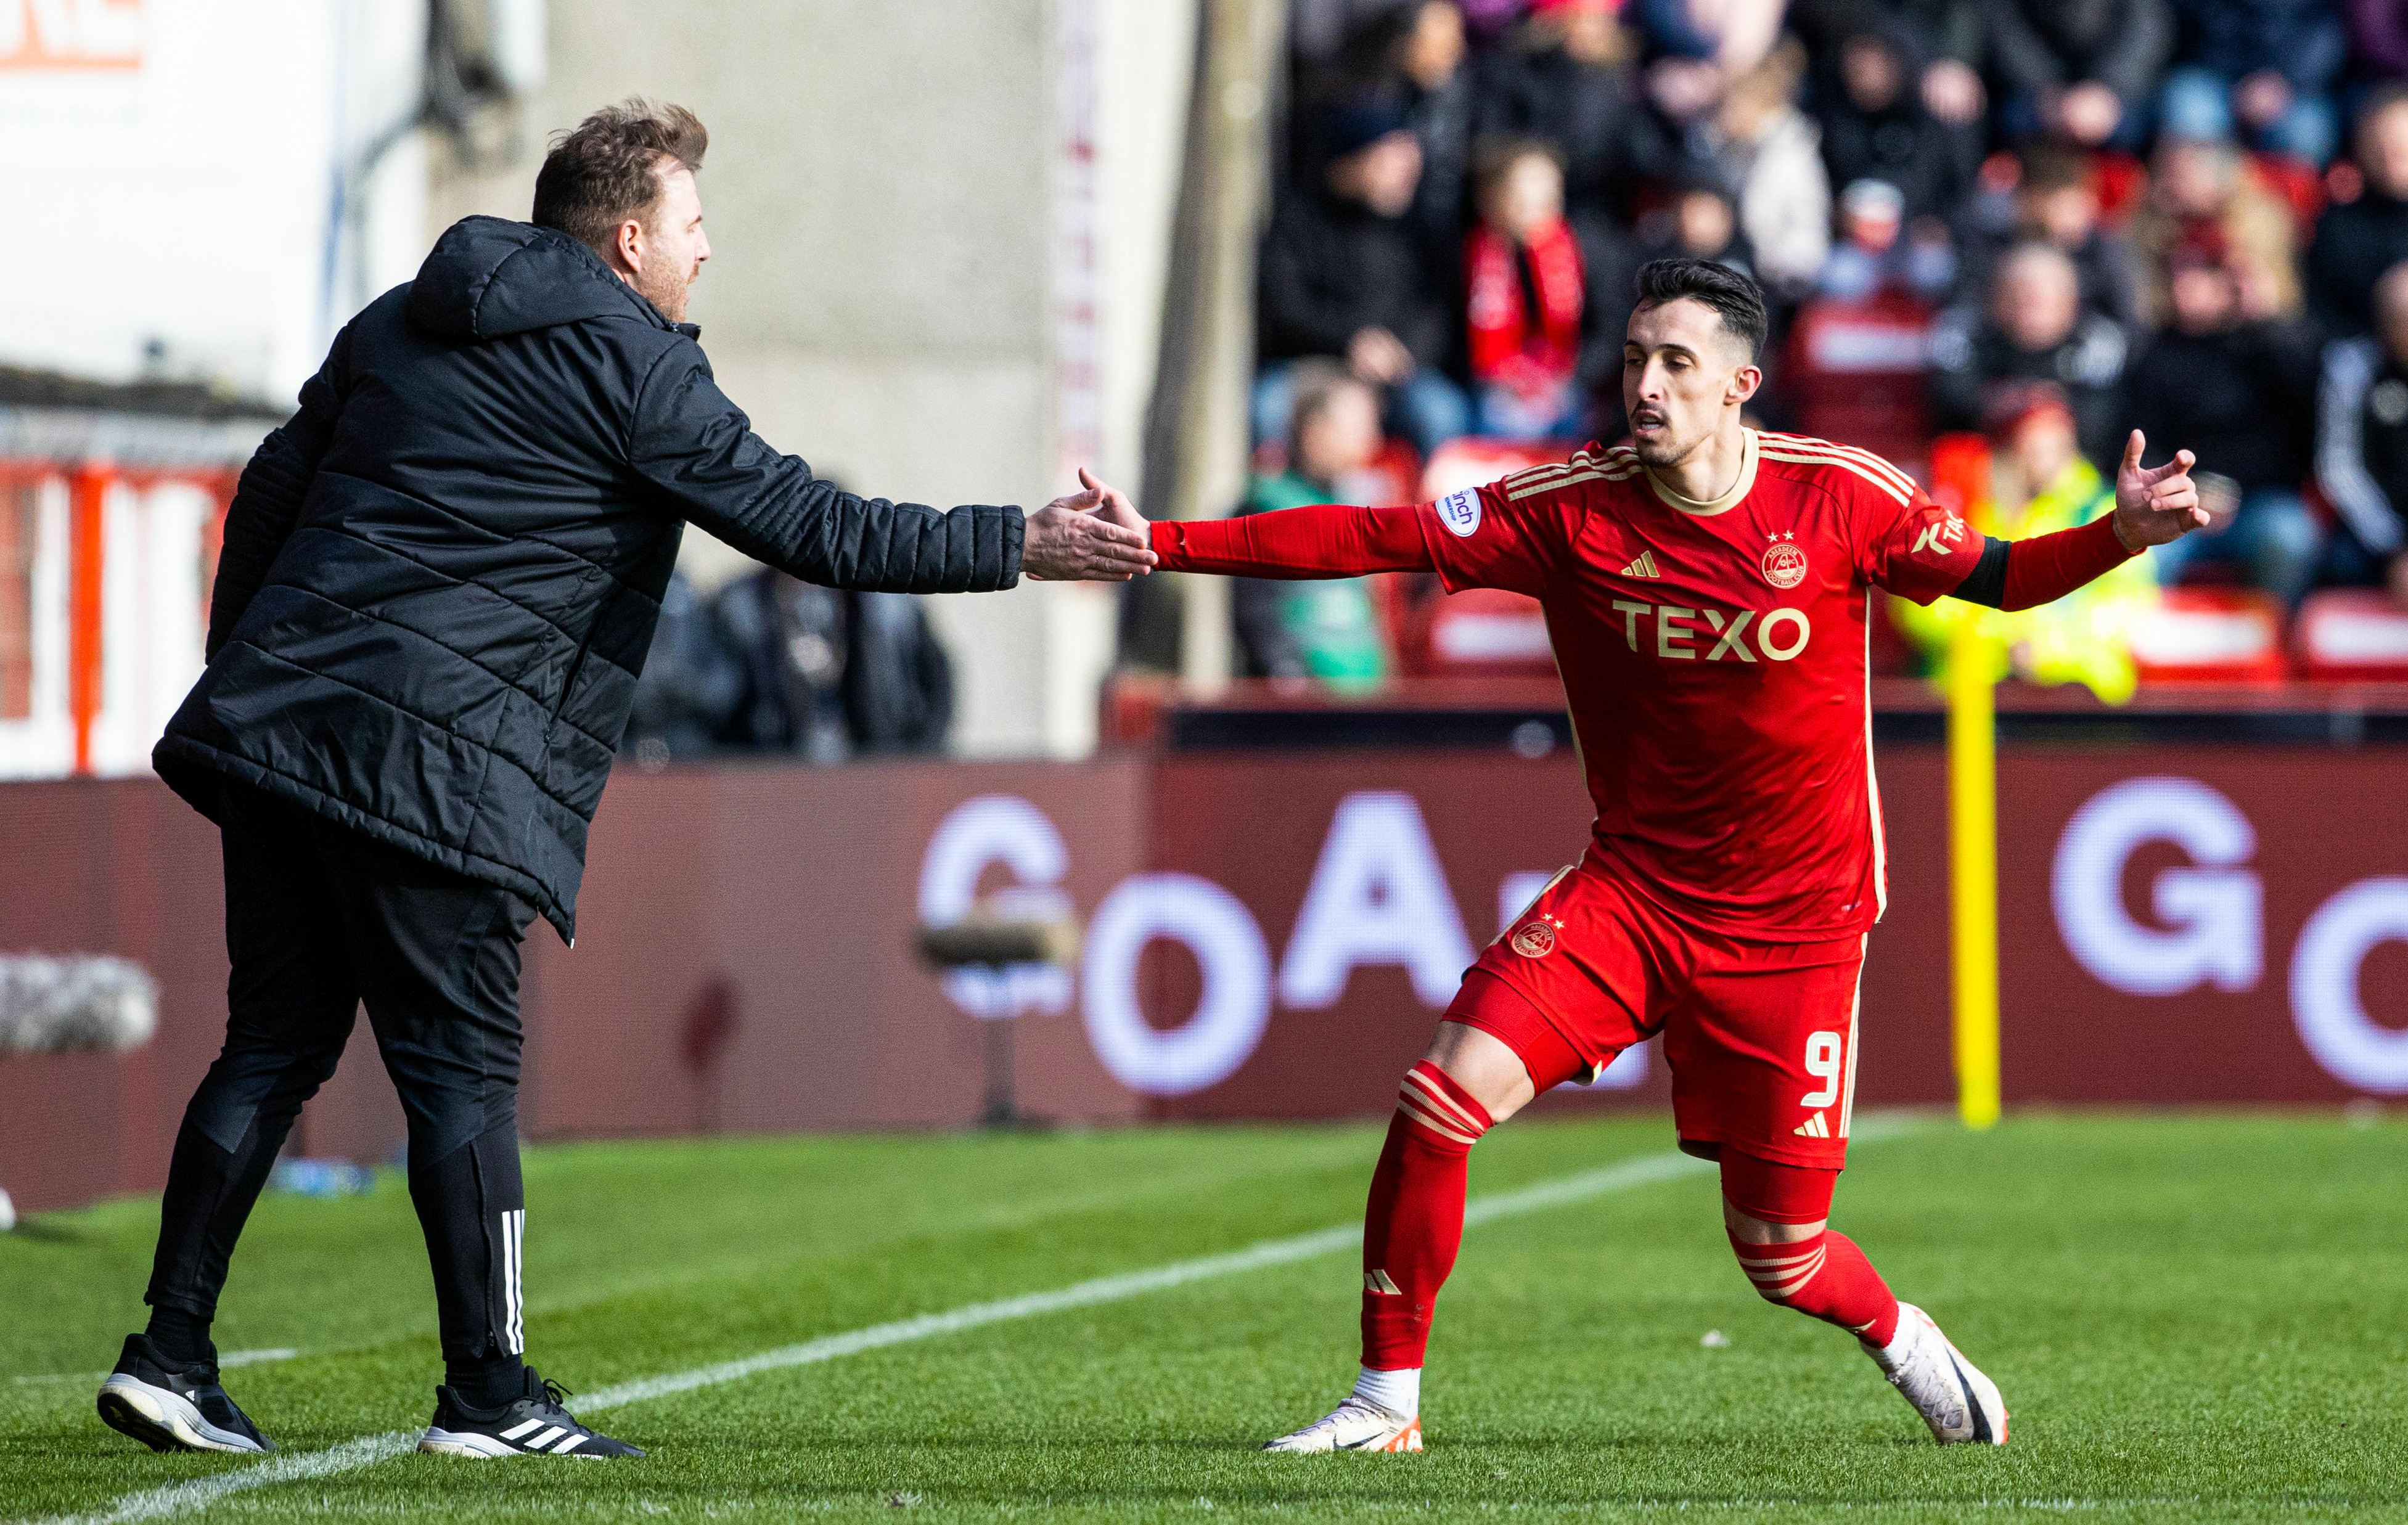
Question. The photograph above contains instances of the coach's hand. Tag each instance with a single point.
(2158, 505)
(1094, 535)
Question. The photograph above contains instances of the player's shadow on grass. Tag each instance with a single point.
(40, 1233)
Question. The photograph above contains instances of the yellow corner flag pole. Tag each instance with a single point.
(1974, 874)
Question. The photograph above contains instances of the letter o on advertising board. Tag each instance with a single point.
(2325, 987)
(1782, 617)
(1227, 1021)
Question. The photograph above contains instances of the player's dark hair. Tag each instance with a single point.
(1735, 298)
(606, 168)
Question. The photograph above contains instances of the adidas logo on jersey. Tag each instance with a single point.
(1643, 567)
(1378, 1281)
(1813, 1127)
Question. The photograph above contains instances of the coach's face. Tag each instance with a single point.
(1682, 374)
(662, 258)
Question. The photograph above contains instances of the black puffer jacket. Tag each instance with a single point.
(440, 579)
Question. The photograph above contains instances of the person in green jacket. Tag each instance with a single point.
(1328, 632)
(2041, 483)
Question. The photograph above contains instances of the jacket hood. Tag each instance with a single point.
(489, 276)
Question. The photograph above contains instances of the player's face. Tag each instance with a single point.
(1682, 376)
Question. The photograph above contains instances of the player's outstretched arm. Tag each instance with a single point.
(1323, 540)
(2153, 505)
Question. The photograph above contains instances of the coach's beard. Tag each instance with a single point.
(665, 289)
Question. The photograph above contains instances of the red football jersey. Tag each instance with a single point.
(1713, 661)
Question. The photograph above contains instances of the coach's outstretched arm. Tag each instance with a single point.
(2153, 505)
(695, 444)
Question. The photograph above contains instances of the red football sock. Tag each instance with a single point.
(1413, 1224)
(1827, 1277)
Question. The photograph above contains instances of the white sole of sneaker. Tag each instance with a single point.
(164, 1420)
(480, 1447)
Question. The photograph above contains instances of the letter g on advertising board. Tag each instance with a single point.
(2213, 929)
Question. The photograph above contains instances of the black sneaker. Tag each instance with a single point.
(532, 1425)
(171, 1407)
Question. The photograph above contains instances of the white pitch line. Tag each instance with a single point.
(179, 1497)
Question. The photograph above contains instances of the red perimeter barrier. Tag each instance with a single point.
(1269, 934)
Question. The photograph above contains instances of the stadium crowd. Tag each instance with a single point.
(2035, 224)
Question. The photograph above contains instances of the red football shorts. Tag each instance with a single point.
(1761, 1037)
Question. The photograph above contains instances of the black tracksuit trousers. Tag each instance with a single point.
(321, 918)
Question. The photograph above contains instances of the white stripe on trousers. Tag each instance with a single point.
(513, 1295)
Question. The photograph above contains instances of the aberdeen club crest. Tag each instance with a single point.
(1536, 937)
(1785, 564)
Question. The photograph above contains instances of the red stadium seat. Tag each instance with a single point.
(2352, 634)
(2211, 635)
(1393, 477)
(1468, 461)
(1482, 632)
(1478, 632)
(1858, 373)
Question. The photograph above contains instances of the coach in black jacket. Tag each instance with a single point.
(438, 583)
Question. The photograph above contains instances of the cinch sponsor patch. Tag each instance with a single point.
(1460, 511)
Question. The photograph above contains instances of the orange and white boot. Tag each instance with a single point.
(1355, 1425)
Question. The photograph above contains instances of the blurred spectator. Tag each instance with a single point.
(1318, 31)
(1326, 629)
(1524, 286)
(1699, 223)
(2358, 240)
(2202, 200)
(2032, 328)
(1412, 58)
(1344, 275)
(1856, 366)
(1769, 152)
(2362, 443)
(1877, 127)
(2238, 393)
(2040, 483)
(2378, 30)
(1939, 43)
(1730, 36)
(2079, 70)
(1565, 76)
(689, 685)
(1877, 251)
(827, 673)
(2056, 201)
(2262, 70)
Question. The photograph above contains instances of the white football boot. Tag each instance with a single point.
(1354, 1425)
(1955, 1399)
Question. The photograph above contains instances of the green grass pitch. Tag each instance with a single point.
(2194, 1318)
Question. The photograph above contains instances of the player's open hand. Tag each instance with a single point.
(1094, 534)
(2157, 504)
